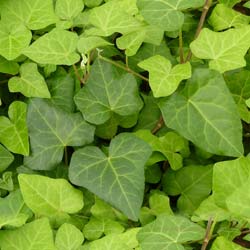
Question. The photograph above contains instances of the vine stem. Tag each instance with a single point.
(182, 60)
(208, 234)
(82, 81)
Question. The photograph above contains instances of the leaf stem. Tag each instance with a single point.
(158, 126)
(200, 25)
(208, 233)
(182, 60)
(82, 81)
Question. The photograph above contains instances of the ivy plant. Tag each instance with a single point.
(124, 125)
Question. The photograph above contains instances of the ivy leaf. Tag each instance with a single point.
(35, 14)
(13, 39)
(6, 158)
(223, 243)
(6, 181)
(56, 47)
(50, 130)
(13, 131)
(166, 14)
(226, 49)
(202, 110)
(229, 3)
(192, 183)
(163, 79)
(117, 178)
(29, 237)
(48, 197)
(31, 83)
(169, 232)
(107, 93)
(68, 237)
(8, 67)
(224, 17)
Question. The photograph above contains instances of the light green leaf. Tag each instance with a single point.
(224, 17)
(68, 237)
(108, 92)
(163, 79)
(225, 50)
(32, 236)
(50, 130)
(92, 3)
(68, 9)
(6, 158)
(192, 183)
(49, 197)
(13, 39)
(56, 47)
(229, 3)
(167, 14)
(222, 243)
(8, 67)
(13, 211)
(169, 232)
(35, 14)
(13, 130)
(31, 83)
(202, 110)
(117, 178)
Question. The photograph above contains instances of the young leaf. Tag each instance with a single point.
(13, 131)
(229, 3)
(56, 47)
(8, 67)
(50, 130)
(31, 83)
(202, 110)
(48, 197)
(106, 93)
(222, 243)
(164, 79)
(226, 49)
(117, 178)
(6, 158)
(169, 232)
(33, 236)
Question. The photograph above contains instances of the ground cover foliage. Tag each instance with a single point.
(124, 124)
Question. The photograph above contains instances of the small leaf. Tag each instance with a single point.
(226, 49)
(222, 243)
(229, 3)
(6, 182)
(13, 131)
(31, 83)
(56, 47)
(6, 158)
(49, 197)
(117, 178)
(8, 67)
(164, 79)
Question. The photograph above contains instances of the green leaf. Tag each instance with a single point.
(31, 83)
(226, 49)
(13, 39)
(163, 79)
(6, 158)
(192, 183)
(6, 182)
(56, 47)
(222, 243)
(117, 178)
(167, 14)
(8, 67)
(33, 236)
(224, 17)
(92, 3)
(35, 14)
(68, 237)
(169, 232)
(202, 110)
(229, 3)
(13, 130)
(107, 93)
(68, 9)
(49, 197)
(13, 211)
(51, 129)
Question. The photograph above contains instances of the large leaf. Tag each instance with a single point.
(13, 39)
(50, 130)
(56, 47)
(31, 83)
(5, 158)
(108, 92)
(13, 131)
(49, 197)
(229, 3)
(117, 178)
(166, 14)
(35, 14)
(169, 232)
(205, 113)
(164, 79)
(226, 50)
(32, 236)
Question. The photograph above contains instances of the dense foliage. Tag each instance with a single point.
(124, 124)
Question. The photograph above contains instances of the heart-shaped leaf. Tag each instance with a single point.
(5, 158)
